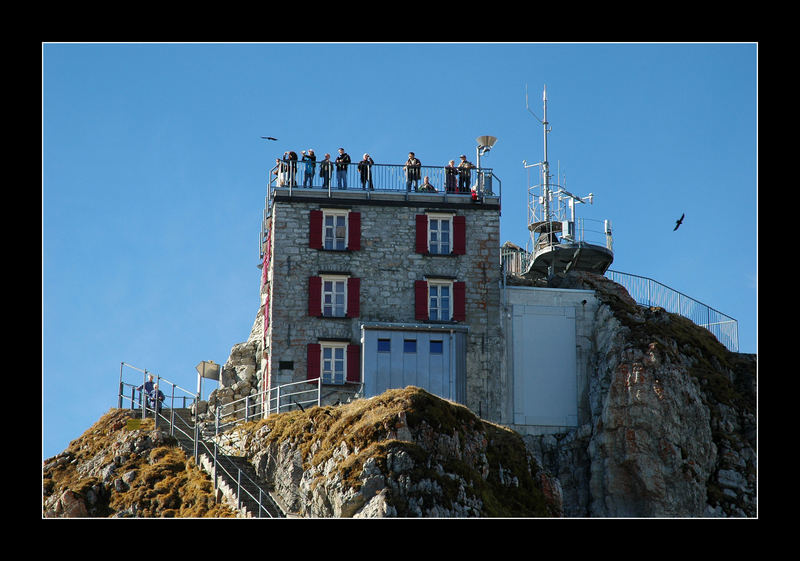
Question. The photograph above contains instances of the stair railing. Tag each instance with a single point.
(186, 432)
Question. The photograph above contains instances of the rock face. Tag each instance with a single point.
(672, 430)
(405, 453)
(122, 467)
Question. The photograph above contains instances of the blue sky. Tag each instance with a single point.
(154, 174)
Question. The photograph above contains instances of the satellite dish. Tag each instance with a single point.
(486, 141)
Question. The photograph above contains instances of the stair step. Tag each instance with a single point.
(227, 473)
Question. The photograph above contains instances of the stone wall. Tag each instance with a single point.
(388, 265)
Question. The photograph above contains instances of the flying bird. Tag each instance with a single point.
(269, 138)
(678, 222)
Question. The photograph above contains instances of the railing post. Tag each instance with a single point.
(119, 396)
(238, 488)
(172, 412)
(141, 395)
(214, 465)
(196, 428)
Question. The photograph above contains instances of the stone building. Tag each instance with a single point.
(372, 289)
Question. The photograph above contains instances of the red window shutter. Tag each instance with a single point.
(422, 233)
(354, 231)
(459, 301)
(353, 297)
(421, 300)
(313, 352)
(315, 229)
(354, 363)
(459, 235)
(315, 296)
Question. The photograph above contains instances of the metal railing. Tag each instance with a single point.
(226, 466)
(383, 177)
(226, 415)
(188, 433)
(143, 402)
(649, 292)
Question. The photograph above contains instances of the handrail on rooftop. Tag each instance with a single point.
(396, 178)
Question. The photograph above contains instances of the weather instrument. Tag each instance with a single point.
(558, 237)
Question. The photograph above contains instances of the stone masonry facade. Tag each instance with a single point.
(387, 263)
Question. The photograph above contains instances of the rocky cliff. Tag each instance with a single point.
(124, 467)
(673, 419)
(404, 453)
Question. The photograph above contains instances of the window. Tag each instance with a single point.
(437, 347)
(334, 297)
(441, 234)
(334, 229)
(409, 345)
(384, 345)
(439, 300)
(333, 363)
(439, 228)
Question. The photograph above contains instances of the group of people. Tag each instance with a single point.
(286, 168)
(457, 177)
(154, 396)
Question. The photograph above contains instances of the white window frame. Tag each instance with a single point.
(330, 243)
(328, 371)
(448, 218)
(438, 284)
(334, 279)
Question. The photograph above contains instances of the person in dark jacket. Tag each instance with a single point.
(412, 169)
(450, 174)
(155, 398)
(464, 174)
(325, 171)
(426, 186)
(342, 161)
(147, 387)
(365, 171)
(292, 161)
(310, 160)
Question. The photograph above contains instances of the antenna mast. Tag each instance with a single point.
(545, 163)
(539, 219)
(551, 212)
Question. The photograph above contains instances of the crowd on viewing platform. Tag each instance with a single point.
(342, 173)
